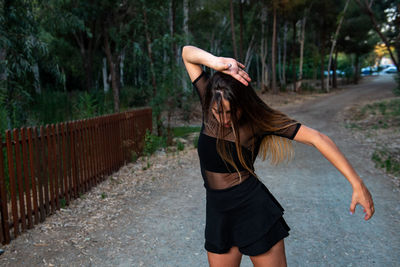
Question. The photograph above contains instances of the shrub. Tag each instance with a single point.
(396, 90)
(180, 146)
(153, 142)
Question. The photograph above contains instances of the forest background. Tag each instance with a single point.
(71, 59)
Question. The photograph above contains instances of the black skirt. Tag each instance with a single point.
(246, 215)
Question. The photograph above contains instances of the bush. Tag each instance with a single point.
(51, 107)
(153, 142)
(196, 142)
(396, 90)
(387, 160)
(180, 146)
(86, 106)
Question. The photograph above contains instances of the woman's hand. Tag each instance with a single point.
(332, 153)
(232, 67)
(362, 196)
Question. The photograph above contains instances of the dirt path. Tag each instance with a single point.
(155, 217)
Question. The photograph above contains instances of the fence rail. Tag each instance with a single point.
(44, 168)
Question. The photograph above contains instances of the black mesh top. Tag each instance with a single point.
(217, 173)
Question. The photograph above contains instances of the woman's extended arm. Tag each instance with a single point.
(193, 57)
(331, 152)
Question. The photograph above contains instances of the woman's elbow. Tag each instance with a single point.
(321, 139)
(184, 51)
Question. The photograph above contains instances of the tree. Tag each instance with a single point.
(20, 46)
(334, 39)
(356, 38)
(389, 12)
(117, 27)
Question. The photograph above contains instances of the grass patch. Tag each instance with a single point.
(154, 142)
(387, 160)
(378, 115)
(183, 131)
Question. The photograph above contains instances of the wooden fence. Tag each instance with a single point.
(44, 168)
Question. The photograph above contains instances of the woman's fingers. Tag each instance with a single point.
(240, 79)
(368, 213)
(245, 75)
(353, 207)
(235, 69)
(363, 197)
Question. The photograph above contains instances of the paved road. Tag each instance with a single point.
(165, 227)
(317, 197)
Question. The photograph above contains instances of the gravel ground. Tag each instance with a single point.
(155, 216)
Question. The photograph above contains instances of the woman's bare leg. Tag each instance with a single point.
(230, 259)
(275, 257)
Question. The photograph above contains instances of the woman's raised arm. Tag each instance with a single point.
(194, 57)
(331, 152)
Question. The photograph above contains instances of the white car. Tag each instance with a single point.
(389, 70)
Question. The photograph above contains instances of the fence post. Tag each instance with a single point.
(65, 164)
(54, 177)
(5, 230)
(33, 173)
(20, 185)
(24, 142)
(10, 160)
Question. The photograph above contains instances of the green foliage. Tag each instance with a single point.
(3, 113)
(196, 141)
(103, 195)
(306, 87)
(387, 160)
(396, 90)
(378, 115)
(86, 106)
(65, 39)
(183, 131)
(63, 203)
(180, 146)
(134, 96)
(153, 142)
(389, 109)
(51, 107)
(134, 156)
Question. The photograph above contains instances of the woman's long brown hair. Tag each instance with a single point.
(254, 112)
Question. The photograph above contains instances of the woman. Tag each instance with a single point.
(242, 216)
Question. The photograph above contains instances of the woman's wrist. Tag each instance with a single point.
(199, 56)
(357, 183)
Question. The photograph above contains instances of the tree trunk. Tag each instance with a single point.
(149, 52)
(174, 60)
(152, 72)
(35, 70)
(357, 69)
(233, 30)
(121, 68)
(3, 74)
(301, 40)
(334, 43)
(294, 76)
(285, 30)
(111, 65)
(249, 54)
(186, 34)
(322, 53)
(86, 56)
(263, 52)
(273, 54)
(241, 29)
(279, 46)
(186, 20)
(334, 78)
(106, 86)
